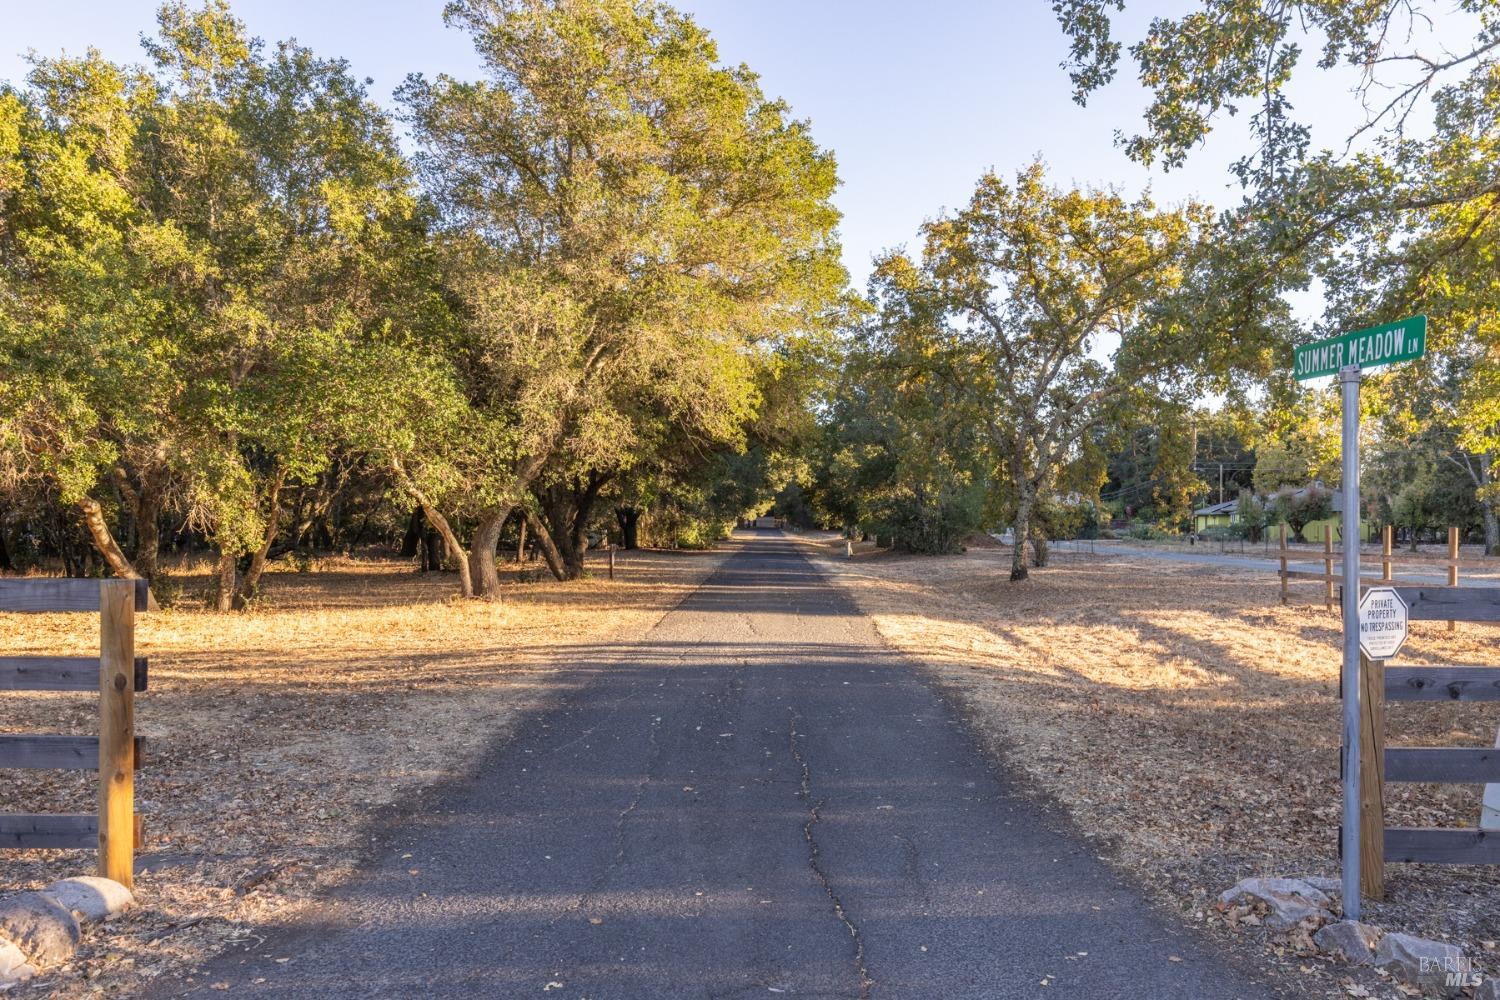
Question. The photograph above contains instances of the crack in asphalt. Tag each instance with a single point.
(813, 818)
(653, 752)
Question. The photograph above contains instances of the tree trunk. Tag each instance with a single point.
(1487, 505)
(566, 509)
(104, 540)
(521, 543)
(554, 531)
(432, 550)
(148, 534)
(413, 539)
(573, 557)
(1040, 553)
(251, 583)
(482, 548)
(1022, 531)
(455, 550)
(147, 502)
(549, 550)
(629, 519)
(438, 521)
(579, 540)
(227, 573)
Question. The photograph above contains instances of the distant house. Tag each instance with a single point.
(1222, 515)
(1314, 531)
(1218, 515)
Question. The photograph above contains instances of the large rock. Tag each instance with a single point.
(1488, 990)
(1290, 900)
(1350, 940)
(1433, 966)
(34, 922)
(13, 966)
(90, 898)
(1330, 887)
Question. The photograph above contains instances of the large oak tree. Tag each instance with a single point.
(631, 227)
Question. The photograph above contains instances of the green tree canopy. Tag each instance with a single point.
(1060, 300)
(633, 230)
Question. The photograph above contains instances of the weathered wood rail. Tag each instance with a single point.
(1332, 579)
(1380, 764)
(116, 752)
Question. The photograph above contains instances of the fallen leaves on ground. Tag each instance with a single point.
(1184, 718)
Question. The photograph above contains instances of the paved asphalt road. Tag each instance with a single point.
(758, 800)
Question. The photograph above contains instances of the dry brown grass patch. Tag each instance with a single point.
(1183, 717)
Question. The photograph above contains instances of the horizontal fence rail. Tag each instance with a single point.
(1436, 846)
(56, 753)
(1447, 765)
(1331, 580)
(59, 673)
(64, 594)
(1405, 682)
(51, 831)
(1432, 603)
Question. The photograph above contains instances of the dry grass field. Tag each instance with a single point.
(273, 737)
(1183, 717)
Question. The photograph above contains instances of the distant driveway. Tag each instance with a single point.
(1299, 560)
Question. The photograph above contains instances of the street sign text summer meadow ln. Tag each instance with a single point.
(1379, 345)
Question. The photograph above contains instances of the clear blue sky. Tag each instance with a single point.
(917, 99)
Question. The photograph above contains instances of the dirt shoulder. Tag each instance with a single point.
(1186, 721)
(272, 737)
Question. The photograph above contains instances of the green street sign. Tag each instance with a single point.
(1379, 345)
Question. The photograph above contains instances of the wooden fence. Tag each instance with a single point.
(117, 673)
(1332, 576)
(1457, 765)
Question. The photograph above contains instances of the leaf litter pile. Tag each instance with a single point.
(274, 736)
(1187, 722)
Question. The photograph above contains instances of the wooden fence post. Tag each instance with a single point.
(117, 730)
(1328, 566)
(1452, 568)
(1387, 536)
(1372, 779)
(1283, 526)
(611, 562)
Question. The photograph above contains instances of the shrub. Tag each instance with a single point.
(917, 520)
(1068, 520)
(1301, 509)
(702, 533)
(1251, 517)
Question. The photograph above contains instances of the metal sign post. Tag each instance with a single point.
(1346, 354)
(1349, 382)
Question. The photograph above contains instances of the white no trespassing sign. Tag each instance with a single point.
(1382, 623)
